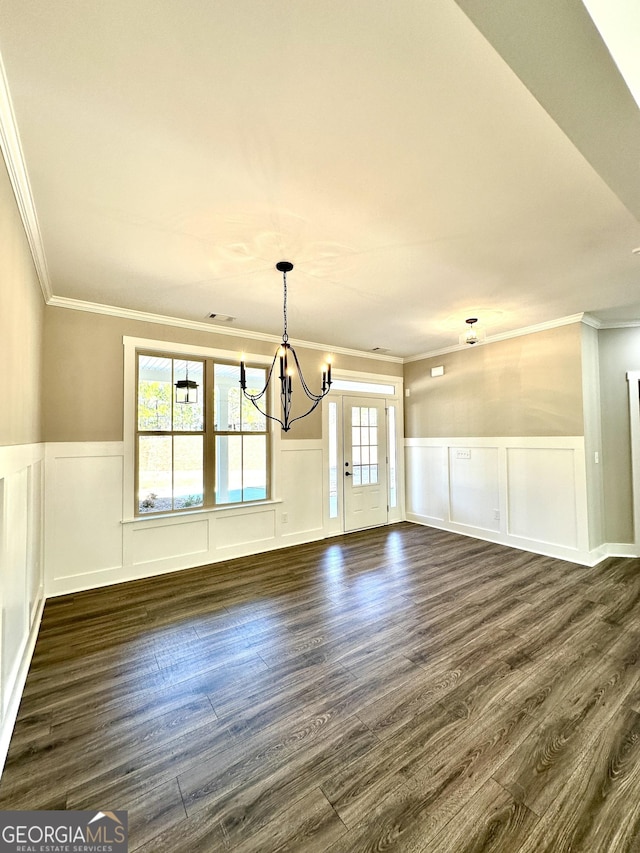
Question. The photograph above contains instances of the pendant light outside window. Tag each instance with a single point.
(288, 366)
(186, 389)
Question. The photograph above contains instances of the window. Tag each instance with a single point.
(333, 460)
(208, 452)
(393, 452)
(364, 445)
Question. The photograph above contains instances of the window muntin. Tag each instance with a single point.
(364, 445)
(211, 452)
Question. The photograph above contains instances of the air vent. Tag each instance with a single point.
(380, 349)
(221, 318)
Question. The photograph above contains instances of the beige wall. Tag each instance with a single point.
(21, 324)
(84, 365)
(619, 352)
(525, 386)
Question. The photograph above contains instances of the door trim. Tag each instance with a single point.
(633, 380)
(335, 526)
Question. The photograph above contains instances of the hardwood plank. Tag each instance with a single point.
(536, 772)
(82, 759)
(152, 814)
(598, 808)
(134, 776)
(491, 821)
(310, 825)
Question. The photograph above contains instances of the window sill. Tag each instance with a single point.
(189, 513)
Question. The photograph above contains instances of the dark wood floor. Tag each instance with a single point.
(400, 689)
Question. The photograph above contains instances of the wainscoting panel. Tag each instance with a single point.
(157, 543)
(427, 481)
(21, 574)
(542, 495)
(474, 498)
(90, 543)
(35, 535)
(243, 529)
(525, 492)
(84, 511)
(15, 601)
(302, 502)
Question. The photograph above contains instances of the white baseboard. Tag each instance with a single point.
(545, 549)
(621, 549)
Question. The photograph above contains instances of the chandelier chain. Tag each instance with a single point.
(285, 336)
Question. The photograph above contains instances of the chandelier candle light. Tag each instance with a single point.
(286, 371)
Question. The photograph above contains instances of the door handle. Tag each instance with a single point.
(347, 473)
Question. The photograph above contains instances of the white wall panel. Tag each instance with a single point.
(162, 542)
(426, 477)
(542, 495)
(84, 509)
(474, 497)
(90, 543)
(35, 536)
(535, 485)
(15, 604)
(245, 528)
(2, 586)
(302, 488)
(21, 574)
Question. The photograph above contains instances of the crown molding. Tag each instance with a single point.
(619, 324)
(199, 326)
(516, 333)
(14, 159)
(588, 320)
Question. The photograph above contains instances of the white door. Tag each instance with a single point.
(365, 462)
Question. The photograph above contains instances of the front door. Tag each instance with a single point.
(365, 462)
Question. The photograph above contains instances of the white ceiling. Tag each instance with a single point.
(419, 161)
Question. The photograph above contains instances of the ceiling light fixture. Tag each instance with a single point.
(472, 336)
(283, 354)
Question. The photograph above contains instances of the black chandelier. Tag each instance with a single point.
(283, 354)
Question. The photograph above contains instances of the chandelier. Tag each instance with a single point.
(288, 364)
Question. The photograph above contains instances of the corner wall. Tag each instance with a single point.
(619, 353)
(21, 459)
(495, 447)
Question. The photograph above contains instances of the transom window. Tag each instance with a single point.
(213, 450)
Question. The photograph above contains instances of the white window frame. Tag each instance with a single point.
(171, 348)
